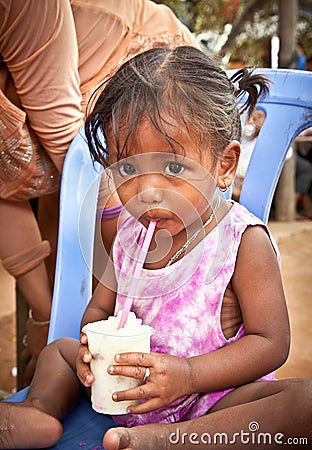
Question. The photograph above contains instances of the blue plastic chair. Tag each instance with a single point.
(289, 111)
(78, 200)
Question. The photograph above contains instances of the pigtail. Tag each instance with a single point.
(256, 86)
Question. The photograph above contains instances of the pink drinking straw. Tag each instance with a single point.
(137, 273)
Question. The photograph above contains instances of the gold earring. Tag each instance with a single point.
(225, 188)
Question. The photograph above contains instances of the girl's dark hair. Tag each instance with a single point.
(182, 86)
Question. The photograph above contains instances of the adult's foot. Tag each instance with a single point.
(302, 216)
(23, 426)
(146, 437)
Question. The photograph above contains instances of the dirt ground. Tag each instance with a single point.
(295, 244)
(7, 354)
(296, 252)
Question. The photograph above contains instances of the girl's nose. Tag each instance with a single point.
(150, 190)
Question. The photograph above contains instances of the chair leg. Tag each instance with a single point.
(284, 200)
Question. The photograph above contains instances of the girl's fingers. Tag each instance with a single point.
(84, 374)
(84, 354)
(141, 392)
(83, 366)
(136, 358)
(138, 372)
(86, 357)
(83, 338)
(146, 407)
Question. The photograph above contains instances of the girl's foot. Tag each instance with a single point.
(146, 437)
(23, 426)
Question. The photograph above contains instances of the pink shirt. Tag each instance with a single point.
(183, 302)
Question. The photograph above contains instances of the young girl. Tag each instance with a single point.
(210, 287)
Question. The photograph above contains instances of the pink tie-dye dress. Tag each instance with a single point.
(183, 302)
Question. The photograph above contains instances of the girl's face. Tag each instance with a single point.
(155, 182)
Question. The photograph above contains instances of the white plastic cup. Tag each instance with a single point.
(103, 346)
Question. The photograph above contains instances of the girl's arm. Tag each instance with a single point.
(100, 307)
(258, 286)
(102, 303)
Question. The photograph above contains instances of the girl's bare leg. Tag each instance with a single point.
(54, 391)
(258, 415)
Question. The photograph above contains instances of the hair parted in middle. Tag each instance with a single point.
(183, 87)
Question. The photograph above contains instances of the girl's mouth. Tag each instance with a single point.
(161, 220)
(161, 223)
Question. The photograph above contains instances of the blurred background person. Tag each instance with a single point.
(303, 145)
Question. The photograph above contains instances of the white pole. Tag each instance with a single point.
(275, 43)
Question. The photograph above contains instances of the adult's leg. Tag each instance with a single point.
(23, 255)
(54, 391)
(48, 219)
(255, 415)
(303, 186)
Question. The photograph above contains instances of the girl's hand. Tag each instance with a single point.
(83, 362)
(170, 378)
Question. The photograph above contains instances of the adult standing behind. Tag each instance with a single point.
(53, 54)
(303, 145)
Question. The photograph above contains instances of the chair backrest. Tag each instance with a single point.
(288, 109)
(73, 274)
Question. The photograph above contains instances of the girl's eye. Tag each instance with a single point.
(174, 168)
(126, 169)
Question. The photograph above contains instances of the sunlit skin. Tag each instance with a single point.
(156, 183)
